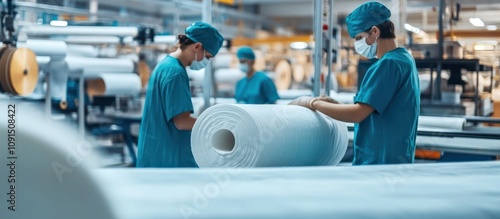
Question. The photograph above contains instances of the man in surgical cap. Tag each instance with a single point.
(255, 87)
(165, 132)
(387, 105)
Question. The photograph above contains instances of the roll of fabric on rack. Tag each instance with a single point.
(111, 84)
(93, 66)
(55, 49)
(83, 51)
(452, 123)
(230, 135)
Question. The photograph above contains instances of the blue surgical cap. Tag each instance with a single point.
(366, 16)
(207, 35)
(245, 53)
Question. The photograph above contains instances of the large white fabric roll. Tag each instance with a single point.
(230, 135)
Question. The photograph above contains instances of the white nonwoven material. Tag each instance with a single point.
(231, 135)
(52, 169)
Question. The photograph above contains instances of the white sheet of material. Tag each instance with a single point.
(443, 190)
(450, 123)
(43, 62)
(111, 84)
(93, 66)
(55, 49)
(230, 135)
(58, 76)
(52, 176)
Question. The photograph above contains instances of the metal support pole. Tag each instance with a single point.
(330, 48)
(48, 99)
(93, 7)
(477, 98)
(208, 84)
(317, 57)
(440, 51)
(81, 106)
(177, 24)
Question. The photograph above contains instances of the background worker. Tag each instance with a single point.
(256, 87)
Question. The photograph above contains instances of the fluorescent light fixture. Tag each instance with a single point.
(413, 29)
(57, 23)
(484, 47)
(298, 45)
(476, 22)
(491, 27)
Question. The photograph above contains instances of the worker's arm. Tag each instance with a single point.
(354, 113)
(184, 121)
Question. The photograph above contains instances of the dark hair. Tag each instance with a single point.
(386, 30)
(184, 41)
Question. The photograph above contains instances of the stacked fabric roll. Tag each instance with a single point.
(452, 123)
(231, 135)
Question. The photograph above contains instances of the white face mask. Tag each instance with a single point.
(368, 51)
(244, 68)
(197, 65)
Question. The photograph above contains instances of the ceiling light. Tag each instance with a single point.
(476, 22)
(491, 27)
(488, 42)
(298, 45)
(58, 23)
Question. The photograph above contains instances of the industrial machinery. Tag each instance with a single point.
(19, 71)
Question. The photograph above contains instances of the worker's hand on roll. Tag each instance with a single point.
(327, 99)
(304, 101)
(308, 101)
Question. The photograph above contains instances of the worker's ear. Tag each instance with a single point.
(375, 31)
(197, 46)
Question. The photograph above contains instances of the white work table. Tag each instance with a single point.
(444, 190)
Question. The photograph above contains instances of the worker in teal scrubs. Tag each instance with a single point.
(256, 87)
(165, 132)
(387, 105)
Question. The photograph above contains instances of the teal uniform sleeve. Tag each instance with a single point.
(269, 91)
(380, 85)
(176, 96)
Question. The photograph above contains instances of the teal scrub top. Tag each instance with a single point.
(391, 87)
(161, 144)
(259, 89)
